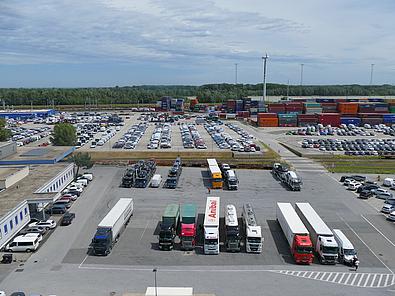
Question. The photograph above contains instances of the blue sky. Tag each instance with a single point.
(70, 43)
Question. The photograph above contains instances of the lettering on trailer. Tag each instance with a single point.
(213, 209)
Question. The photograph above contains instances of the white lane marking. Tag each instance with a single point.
(349, 275)
(146, 225)
(373, 280)
(367, 280)
(86, 257)
(334, 278)
(354, 279)
(348, 225)
(378, 231)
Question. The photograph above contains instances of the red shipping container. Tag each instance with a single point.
(332, 119)
(267, 115)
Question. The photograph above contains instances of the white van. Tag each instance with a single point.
(156, 180)
(346, 249)
(388, 182)
(88, 176)
(24, 243)
(83, 182)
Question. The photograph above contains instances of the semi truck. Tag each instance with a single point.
(232, 232)
(110, 228)
(295, 232)
(169, 227)
(293, 181)
(231, 180)
(211, 226)
(254, 239)
(174, 174)
(188, 227)
(145, 170)
(279, 170)
(321, 236)
(129, 177)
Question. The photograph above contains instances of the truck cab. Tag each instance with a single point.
(293, 181)
(102, 242)
(231, 180)
(346, 250)
(302, 249)
(188, 226)
(166, 237)
(211, 238)
(254, 239)
(327, 249)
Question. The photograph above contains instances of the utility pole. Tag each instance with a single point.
(237, 95)
(371, 74)
(288, 89)
(264, 59)
(301, 78)
(156, 287)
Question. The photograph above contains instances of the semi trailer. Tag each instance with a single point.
(321, 236)
(232, 232)
(254, 239)
(109, 229)
(211, 226)
(188, 227)
(295, 232)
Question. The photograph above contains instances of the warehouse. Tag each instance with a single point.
(25, 114)
(24, 200)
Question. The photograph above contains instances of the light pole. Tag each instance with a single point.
(264, 59)
(301, 78)
(371, 74)
(156, 287)
(236, 64)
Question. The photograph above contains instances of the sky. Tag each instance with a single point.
(93, 43)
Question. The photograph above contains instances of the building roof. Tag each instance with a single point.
(38, 155)
(17, 193)
(5, 172)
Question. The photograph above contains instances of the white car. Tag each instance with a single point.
(49, 224)
(391, 216)
(353, 185)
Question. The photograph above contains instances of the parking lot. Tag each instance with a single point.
(136, 252)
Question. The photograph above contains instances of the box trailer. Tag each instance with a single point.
(295, 232)
(211, 226)
(188, 226)
(110, 227)
(321, 236)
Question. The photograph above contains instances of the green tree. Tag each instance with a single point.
(5, 133)
(82, 160)
(64, 135)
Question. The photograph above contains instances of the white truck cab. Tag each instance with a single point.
(346, 251)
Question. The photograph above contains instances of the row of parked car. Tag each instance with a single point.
(161, 137)
(131, 138)
(368, 189)
(190, 136)
(23, 136)
(29, 238)
(352, 147)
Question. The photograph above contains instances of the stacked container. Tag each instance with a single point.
(192, 103)
(290, 119)
(307, 119)
(166, 103)
(276, 108)
(294, 107)
(312, 108)
(366, 108)
(371, 118)
(243, 114)
(267, 120)
(329, 107)
(231, 106)
(246, 104)
(381, 107)
(332, 119)
(347, 108)
(389, 119)
(239, 105)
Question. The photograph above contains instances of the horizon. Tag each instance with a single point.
(69, 44)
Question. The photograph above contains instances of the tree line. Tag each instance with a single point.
(151, 93)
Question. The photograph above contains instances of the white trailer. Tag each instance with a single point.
(211, 226)
(111, 226)
(254, 239)
(321, 236)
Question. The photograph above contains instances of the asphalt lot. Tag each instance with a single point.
(62, 265)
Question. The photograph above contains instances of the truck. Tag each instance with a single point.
(169, 227)
(279, 170)
(129, 177)
(232, 232)
(174, 174)
(254, 239)
(211, 226)
(188, 227)
(293, 181)
(231, 180)
(110, 228)
(144, 172)
(347, 252)
(295, 232)
(321, 236)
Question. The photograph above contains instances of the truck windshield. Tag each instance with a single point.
(254, 240)
(350, 252)
(216, 179)
(304, 250)
(187, 238)
(330, 250)
(232, 182)
(100, 241)
(210, 242)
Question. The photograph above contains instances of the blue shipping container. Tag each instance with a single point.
(350, 120)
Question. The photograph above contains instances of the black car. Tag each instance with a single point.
(369, 187)
(67, 218)
(366, 194)
(57, 209)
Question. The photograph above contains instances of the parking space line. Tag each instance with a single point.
(86, 257)
(386, 280)
(348, 225)
(378, 230)
(146, 225)
(380, 278)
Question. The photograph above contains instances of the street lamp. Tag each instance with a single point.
(156, 287)
(264, 59)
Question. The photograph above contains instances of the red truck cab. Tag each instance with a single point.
(302, 249)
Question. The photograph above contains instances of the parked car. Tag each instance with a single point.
(369, 187)
(48, 224)
(35, 229)
(67, 218)
(391, 216)
(365, 194)
(56, 209)
(382, 193)
(388, 208)
(354, 185)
